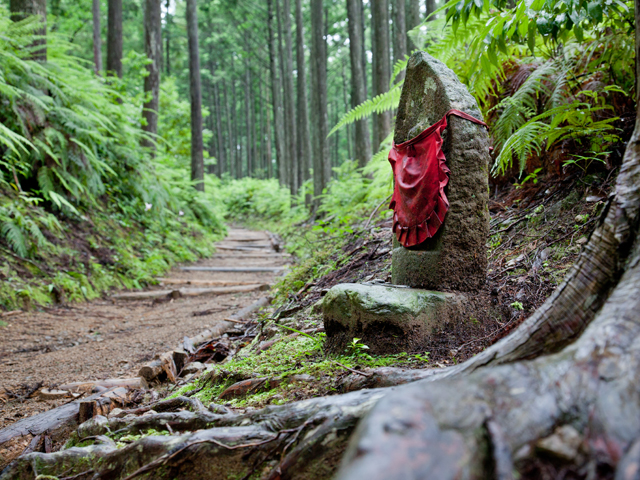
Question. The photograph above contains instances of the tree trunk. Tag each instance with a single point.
(114, 39)
(321, 159)
(287, 101)
(222, 161)
(236, 131)
(197, 157)
(228, 115)
(97, 37)
(412, 20)
(303, 143)
(269, 147)
(289, 95)
(168, 23)
(21, 9)
(399, 33)
(346, 103)
(431, 7)
(153, 49)
(249, 123)
(276, 100)
(358, 80)
(381, 65)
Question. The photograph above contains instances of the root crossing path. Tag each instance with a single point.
(115, 336)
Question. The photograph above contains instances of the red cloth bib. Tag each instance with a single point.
(420, 175)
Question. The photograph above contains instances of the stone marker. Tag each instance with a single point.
(455, 258)
(392, 319)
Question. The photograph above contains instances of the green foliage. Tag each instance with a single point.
(71, 163)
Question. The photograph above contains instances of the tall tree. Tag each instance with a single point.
(167, 29)
(247, 111)
(382, 65)
(21, 9)
(321, 159)
(222, 161)
(412, 21)
(358, 80)
(153, 49)
(197, 155)
(289, 96)
(431, 7)
(231, 149)
(114, 38)
(237, 165)
(303, 141)
(345, 103)
(275, 96)
(399, 31)
(97, 37)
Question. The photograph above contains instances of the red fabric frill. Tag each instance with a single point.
(420, 176)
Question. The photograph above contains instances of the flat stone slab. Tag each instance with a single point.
(387, 319)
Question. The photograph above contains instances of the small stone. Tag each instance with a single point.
(150, 412)
(193, 368)
(564, 443)
(581, 240)
(219, 409)
(116, 413)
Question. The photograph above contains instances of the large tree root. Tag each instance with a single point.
(275, 442)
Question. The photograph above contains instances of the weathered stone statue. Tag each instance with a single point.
(455, 258)
(394, 318)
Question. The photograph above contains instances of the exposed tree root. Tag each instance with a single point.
(283, 439)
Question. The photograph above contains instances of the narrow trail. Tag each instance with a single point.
(114, 337)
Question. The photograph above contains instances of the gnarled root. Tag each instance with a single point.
(275, 442)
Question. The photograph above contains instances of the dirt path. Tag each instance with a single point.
(113, 338)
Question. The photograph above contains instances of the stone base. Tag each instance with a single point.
(387, 319)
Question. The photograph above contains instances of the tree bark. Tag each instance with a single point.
(303, 143)
(21, 9)
(249, 123)
(97, 37)
(382, 67)
(269, 147)
(228, 115)
(169, 22)
(289, 96)
(236, 131)
(431, 7)
(358, 80)
(413, 20)
(399, 33)
(346, 103)
(276, 89)
(114, 39)
(321, 159)
(222, 160)
(197, 157)
(153, 49)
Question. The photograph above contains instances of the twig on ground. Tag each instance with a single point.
(352, 370)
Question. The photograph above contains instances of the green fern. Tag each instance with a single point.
(381, 103)
(14, 236)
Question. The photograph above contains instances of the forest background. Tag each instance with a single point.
(296, 101)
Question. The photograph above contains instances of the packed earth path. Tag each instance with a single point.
(115, 336)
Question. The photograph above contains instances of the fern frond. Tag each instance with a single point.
(381, 103)
(14, 237)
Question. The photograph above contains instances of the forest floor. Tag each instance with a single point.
(536, 234)
(113, 338)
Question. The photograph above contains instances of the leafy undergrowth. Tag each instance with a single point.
(75, 258)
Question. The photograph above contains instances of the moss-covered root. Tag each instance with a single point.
(303, 440)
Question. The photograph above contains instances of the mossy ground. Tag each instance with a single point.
(286, 361)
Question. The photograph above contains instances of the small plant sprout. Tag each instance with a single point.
(356, 348)
(517, 305)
